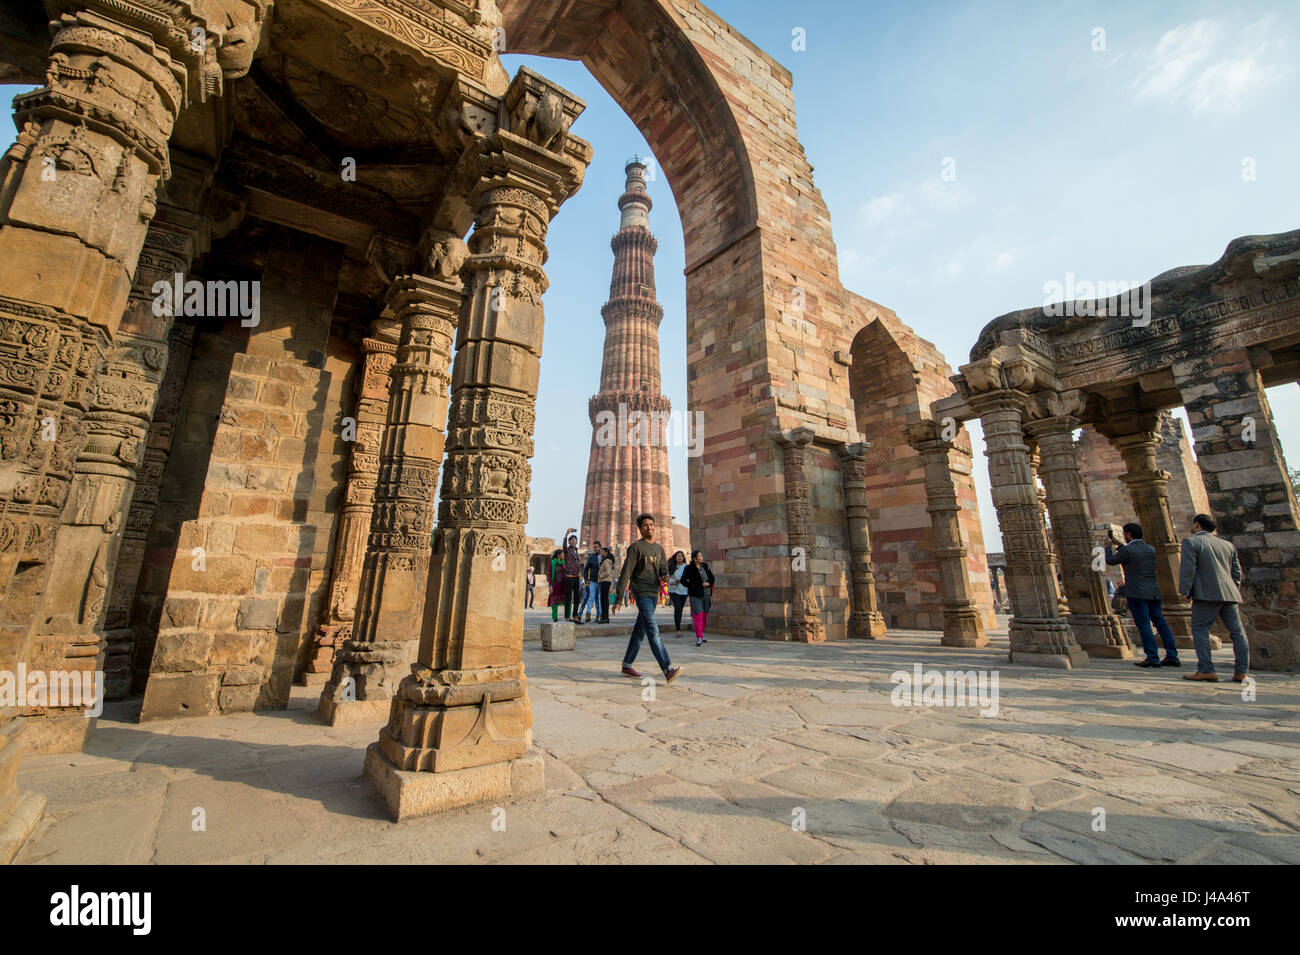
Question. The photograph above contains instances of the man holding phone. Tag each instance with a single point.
(1142, 591)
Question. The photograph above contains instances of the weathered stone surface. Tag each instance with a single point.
(559, 636)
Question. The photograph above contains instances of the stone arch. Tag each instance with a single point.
(766, 314)
(893, 377)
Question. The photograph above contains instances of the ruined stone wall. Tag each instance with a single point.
(250, 569)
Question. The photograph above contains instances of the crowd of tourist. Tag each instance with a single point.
(1209, 575)
(586, 587)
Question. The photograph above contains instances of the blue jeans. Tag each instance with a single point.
(1203, 614)
(646, 626)
(1145, 613)
(591, 595)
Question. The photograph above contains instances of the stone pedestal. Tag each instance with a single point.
(559, 636)
(412, 794)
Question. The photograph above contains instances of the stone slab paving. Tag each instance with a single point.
(761, 752)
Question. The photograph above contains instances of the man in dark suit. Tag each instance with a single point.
(1208, 573)
(1142, 591)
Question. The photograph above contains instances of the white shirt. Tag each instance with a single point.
(675, 582)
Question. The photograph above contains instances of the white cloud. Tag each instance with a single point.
(880, 209)
(1209, 67)
(1005, 259)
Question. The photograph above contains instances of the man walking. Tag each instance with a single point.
(1142, 591)
(644, 569)
(1208, 574)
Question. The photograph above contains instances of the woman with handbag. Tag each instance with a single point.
(697, 578)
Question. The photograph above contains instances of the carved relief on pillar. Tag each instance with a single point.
(998, 389)
(866, 620)
(373, 383)
(962, 623)
(1053, 419)
(394, 570)
(465, 704)
(1137, 438)
(805, 613)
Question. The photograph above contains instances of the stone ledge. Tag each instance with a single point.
(20, 824)
(410, 794)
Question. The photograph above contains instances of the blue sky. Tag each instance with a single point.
(1114, 164)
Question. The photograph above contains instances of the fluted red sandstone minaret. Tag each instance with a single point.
(626, 478)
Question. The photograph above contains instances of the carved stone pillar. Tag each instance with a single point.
(1095, 626)
(805, 614)
(1138, 438)
(866, 620)
(460, 726)
(1039, 635)
(77, 190)
(70, 628)
(395, 569)
(962, 623)
(370, 415)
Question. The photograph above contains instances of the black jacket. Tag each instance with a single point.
(694, 581)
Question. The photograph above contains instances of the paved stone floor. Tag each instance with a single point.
(723, 765)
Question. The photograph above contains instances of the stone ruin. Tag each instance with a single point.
(269, 267)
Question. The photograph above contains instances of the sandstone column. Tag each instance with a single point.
(70, 628)
(866, 619)
(373, 385)
(805, 614)
(460, 726)
(1039, 635)
(76, 194)
(1138, 438)
(1250, 494)
(1095, 626)
(395, 570)
(129, 643)
(962, 623)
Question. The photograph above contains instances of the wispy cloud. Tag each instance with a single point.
(1209, 66)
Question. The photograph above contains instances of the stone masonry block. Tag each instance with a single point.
(182, 651)
(559, 636)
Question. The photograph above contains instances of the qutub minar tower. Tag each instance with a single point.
(629, 477)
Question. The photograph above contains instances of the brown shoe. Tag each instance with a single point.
(1203, 677)
(1239, 677)
(672, 674)
(628, 671)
